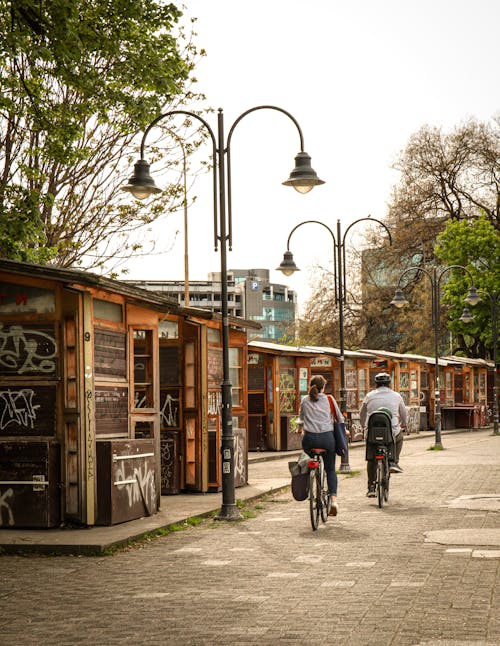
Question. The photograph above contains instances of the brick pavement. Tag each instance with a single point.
(425, 569)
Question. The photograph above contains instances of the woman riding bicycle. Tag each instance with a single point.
(317, 431)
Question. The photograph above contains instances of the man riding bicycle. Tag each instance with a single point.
(384, 397)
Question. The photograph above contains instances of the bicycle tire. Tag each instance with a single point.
(325, 498)
(380, 483)
(314, 497)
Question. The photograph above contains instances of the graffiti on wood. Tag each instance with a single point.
(27, 350)
(28, 411)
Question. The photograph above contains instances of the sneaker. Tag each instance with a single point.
(371, 493)
(395, 468)
(334, 508)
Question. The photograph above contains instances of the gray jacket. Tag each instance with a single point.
(387, 398)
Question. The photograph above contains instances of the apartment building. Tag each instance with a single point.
(251, 295)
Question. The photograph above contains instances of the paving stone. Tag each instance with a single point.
(366, 577)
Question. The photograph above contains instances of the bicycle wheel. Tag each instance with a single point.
(314, 497)
(380, 482)
(325, 498)
(386, 480)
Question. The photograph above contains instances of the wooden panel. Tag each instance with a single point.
(28, 410)
(110, 353)
(190, 375)
(256, 378)
(28, 349)
(256, 404)
(170, 464)
(190, 463)
(32, 498)
(215, 369)
(111, 410)
(126, 486)
(170, 408)
(169, 365)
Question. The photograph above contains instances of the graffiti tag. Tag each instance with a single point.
(8, 493)
(16, 407)
(24, 350)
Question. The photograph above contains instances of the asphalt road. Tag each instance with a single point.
(425, 569)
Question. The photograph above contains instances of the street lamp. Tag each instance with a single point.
(288, 267)
(400, 301)
(141, 185)
(473, 298)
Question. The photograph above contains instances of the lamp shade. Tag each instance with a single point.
(466, 316)
(472, 297)
(288, 266)
(399, 300)
(141, 184)
(303, 178)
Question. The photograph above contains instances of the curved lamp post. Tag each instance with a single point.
(473, 298)
(142, 185)
(288, 267)
(400, 301)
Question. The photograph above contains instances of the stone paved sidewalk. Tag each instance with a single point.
(424, 570)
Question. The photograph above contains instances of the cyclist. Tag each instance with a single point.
(317, 431)
(384, 397)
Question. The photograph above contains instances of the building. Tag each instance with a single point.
(110, 395)
(251, 295)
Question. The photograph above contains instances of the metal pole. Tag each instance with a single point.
(437, 393)
(186, 245)
(344, 460)
(494, 322)
(229, 510)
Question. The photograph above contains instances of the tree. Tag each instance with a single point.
(476, 246)
(79, 79)
(443, 176)
(453, 175)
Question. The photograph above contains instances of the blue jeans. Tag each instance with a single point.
(324, 441)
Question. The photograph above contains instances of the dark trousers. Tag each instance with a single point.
(324, 441)
(371, 467)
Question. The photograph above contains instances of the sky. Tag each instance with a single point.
(360, 77)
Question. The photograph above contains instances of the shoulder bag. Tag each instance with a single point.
(338, 431)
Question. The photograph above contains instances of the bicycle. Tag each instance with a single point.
(380, 449)
(319, 499)
(383, 473)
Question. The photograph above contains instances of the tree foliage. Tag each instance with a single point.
(79, 79)
(476, 246)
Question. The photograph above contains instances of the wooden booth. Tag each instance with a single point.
(278, 377)
(191, 374)
(80, 422)
(110, 396)
(464, 396)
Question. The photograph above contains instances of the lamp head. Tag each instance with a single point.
(288, 266)
(303, 178)
(472, 297)
(141, 184)
(466, 316)
(399, 299)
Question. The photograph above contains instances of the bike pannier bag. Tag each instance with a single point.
(300, 486)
